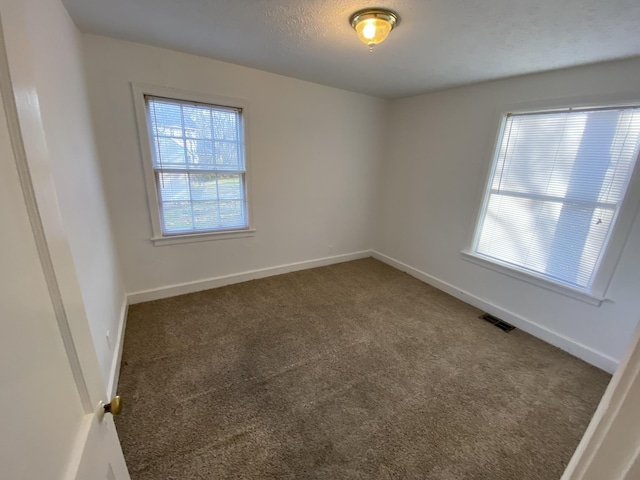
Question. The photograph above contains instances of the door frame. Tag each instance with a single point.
(610, 447)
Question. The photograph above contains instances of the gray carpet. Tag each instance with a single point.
(352, 371)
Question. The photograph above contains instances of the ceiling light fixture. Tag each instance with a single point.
(373, 25)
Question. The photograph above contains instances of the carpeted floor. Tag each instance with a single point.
(352, 371)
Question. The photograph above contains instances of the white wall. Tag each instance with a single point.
(52, 61)
(314, 153)
(316, 182)
(431, 184)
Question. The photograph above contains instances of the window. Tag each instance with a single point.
(196, 168)
(555, 192)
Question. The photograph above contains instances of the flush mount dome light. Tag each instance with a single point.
(373, 25)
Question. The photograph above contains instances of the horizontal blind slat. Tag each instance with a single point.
(198, 158)
(559, 180)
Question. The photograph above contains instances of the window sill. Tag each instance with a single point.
(583, 296)
(203, 237)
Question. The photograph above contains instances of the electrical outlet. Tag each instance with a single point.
(108, 335)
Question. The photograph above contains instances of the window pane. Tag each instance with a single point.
(166, 118)
(225, 125)
(203, 186)
(559, 180)
(232, 214)
(206, 215)
(201, 201)
(230, 187)
(526, 233)
(198, 158)
(187, 136)
(170, 151)
(227, 156)
(197, 121)
(200, 153)
(173, 186)
(177, 217)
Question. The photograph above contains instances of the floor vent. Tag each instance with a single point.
(501, 324)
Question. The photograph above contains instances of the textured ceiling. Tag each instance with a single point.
(438, 43)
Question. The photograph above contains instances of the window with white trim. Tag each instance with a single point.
(199, 168)
(557, 184)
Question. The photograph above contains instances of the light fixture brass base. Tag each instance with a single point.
(367, 13)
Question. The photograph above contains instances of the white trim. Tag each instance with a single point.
(500, 122)
(79, 447)
(139, 91)
(203, 237)
(114, 373)
(215, 282)
(541, 282)
(588, 457)
(567, 344)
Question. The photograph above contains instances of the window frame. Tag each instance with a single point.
(610, 257)
(140, 91)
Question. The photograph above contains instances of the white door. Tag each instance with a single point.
(52, 425)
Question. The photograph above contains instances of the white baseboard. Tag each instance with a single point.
(563, 342)
(215, 282)
(114, 374)
(567, 344)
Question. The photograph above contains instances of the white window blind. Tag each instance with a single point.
(557, 184)
(199, 165)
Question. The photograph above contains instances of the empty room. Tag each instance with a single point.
(268, 239)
